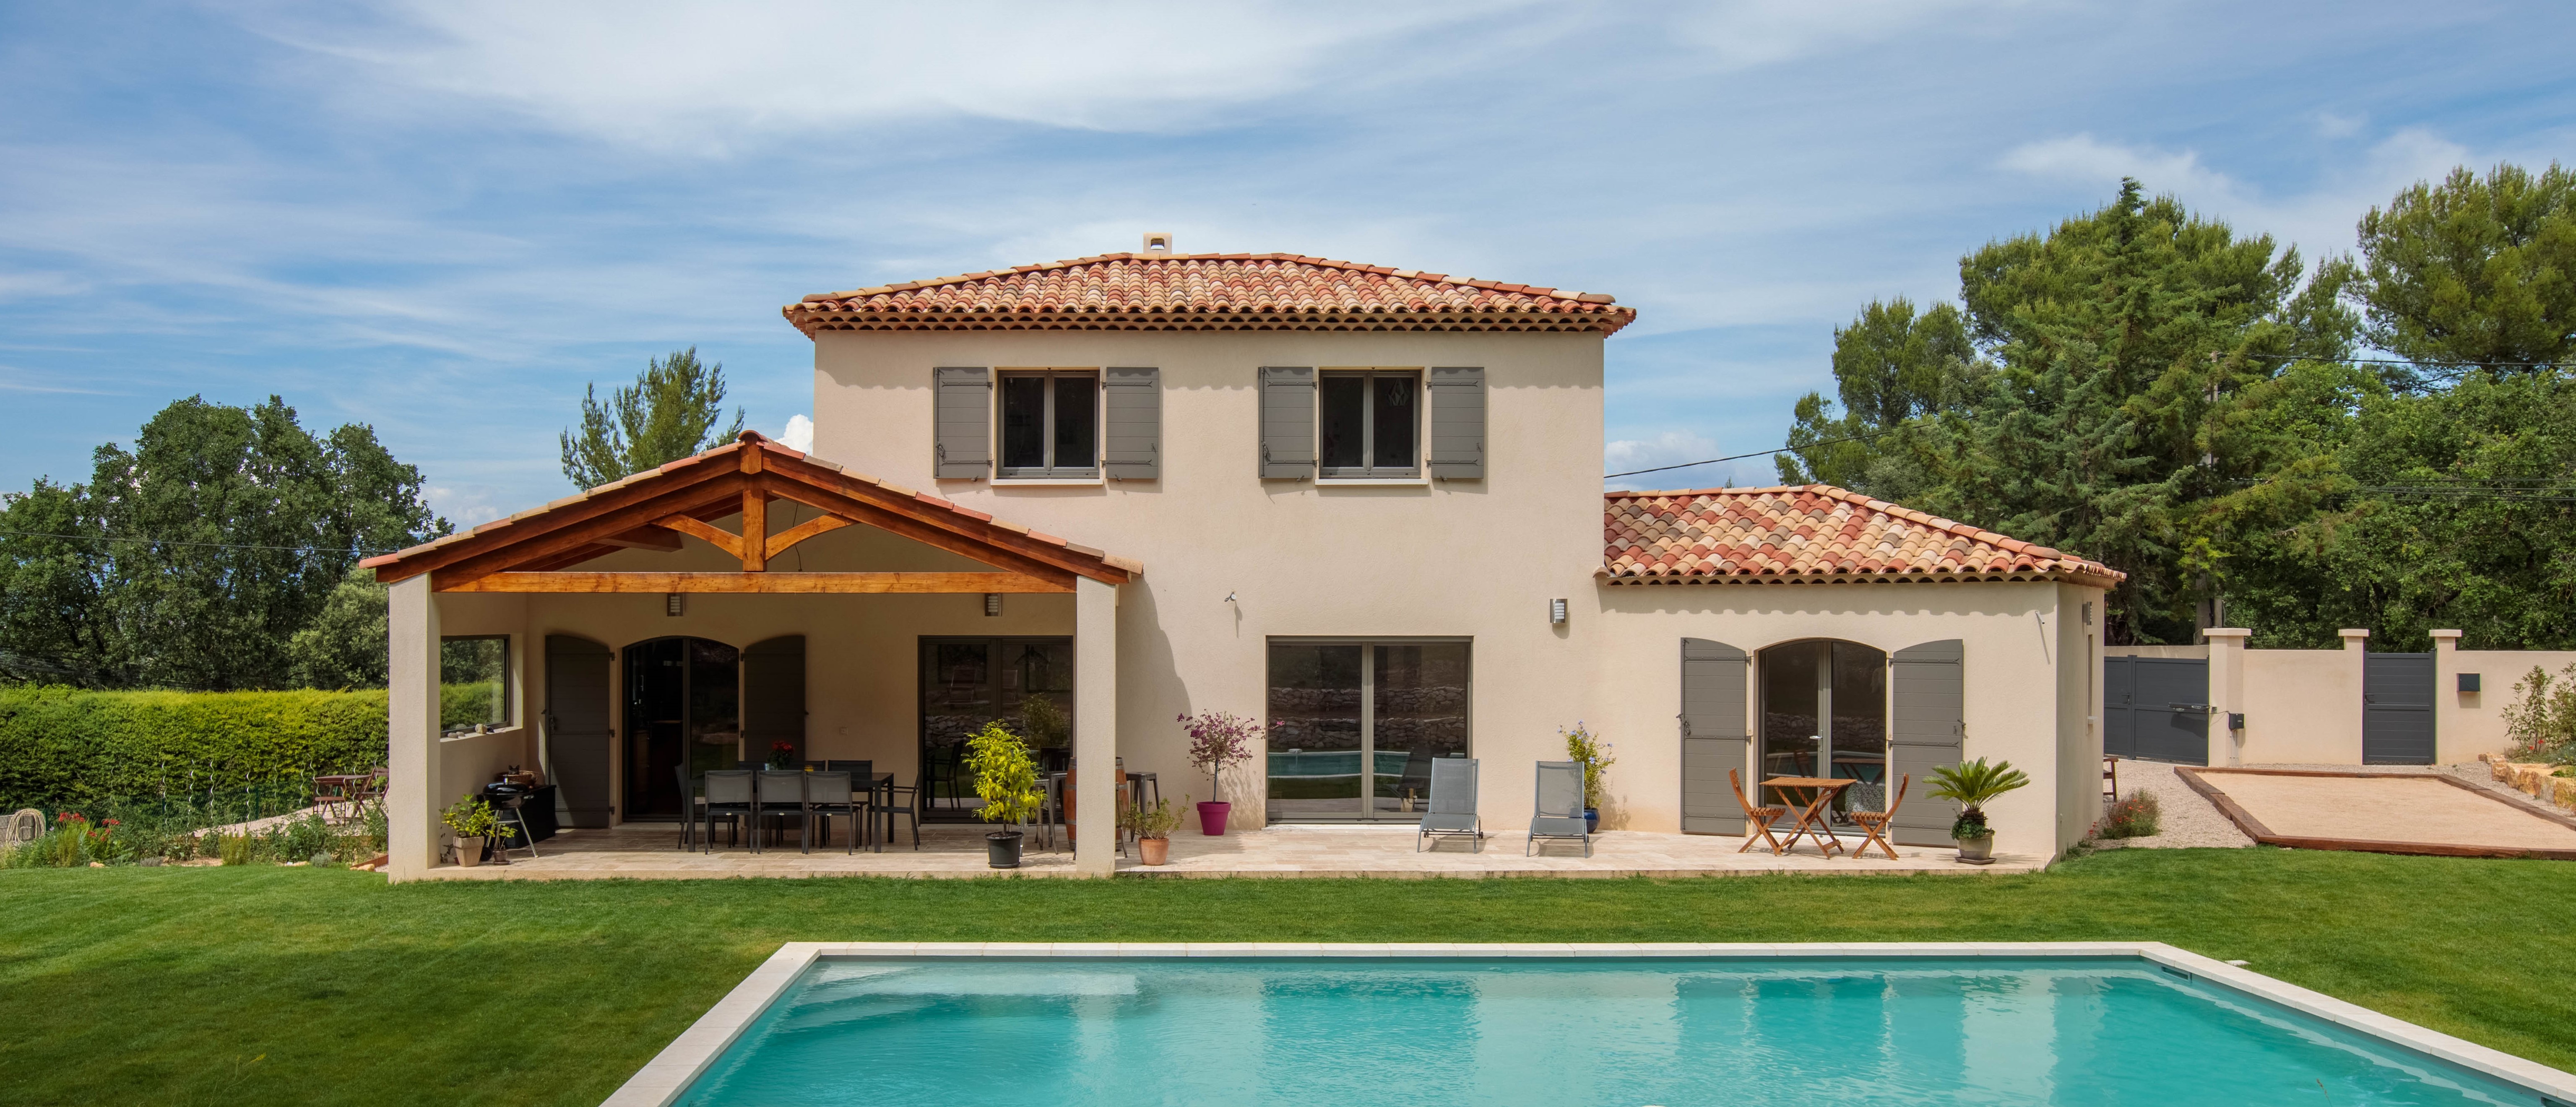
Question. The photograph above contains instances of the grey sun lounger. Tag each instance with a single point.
(1560, 806)
(1453, 803)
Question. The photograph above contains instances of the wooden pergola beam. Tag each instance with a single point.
(831, 583)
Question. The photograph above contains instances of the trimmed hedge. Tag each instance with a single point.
(65, 746)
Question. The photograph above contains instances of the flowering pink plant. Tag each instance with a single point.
(1218, 740)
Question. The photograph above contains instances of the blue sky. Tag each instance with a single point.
(443, 219)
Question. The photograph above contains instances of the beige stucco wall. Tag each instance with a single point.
(1470, 559)
(2025, 670)
(2300, 706)
(2467, 724)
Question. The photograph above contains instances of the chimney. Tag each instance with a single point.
(1158, 242)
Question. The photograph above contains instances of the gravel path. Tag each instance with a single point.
(2188, 821)
(2191, 821)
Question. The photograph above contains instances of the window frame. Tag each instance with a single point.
(509, 700)
(1368, 469)
(1369, 734)
(1047, 425)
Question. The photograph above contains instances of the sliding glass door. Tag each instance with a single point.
(1357, 722)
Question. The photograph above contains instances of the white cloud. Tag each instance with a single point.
(464, 506)
(1668, 448)
(670, 75)
(2318, 220)
(799, 435)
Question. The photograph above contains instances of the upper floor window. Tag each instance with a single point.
(1369, 423)
(1050, 423)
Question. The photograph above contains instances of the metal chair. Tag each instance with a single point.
(905, 802)
(688, 807)
(1559, 812)
(1452, 781)
(731, 795)
(781, 792)
(827, 793)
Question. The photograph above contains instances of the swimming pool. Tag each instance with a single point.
(1668, 1026)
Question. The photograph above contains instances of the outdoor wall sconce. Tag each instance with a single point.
(674, 603)
(2235, 720)
(2468, 682)
(992, 603)
(1556, 612)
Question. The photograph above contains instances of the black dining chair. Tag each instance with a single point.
(688, 808)
(782, 793)
(863, 777)
(731, 797)
(905, 802)
(827, 793)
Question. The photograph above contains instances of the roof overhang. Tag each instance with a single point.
(533, 550)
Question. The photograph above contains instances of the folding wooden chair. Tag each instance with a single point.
(1757, 820)
(1874, 823)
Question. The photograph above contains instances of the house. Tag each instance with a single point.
(1360, 503)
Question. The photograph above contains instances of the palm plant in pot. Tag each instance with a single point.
(1973, 785)
(1219, 740)
(472, 822)
(1153, 828)
(1007, 781)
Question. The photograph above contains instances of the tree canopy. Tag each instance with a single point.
(670, 412)
(2474, 270)
(193, 559)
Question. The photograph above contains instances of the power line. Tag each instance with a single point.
(205, 545)
(1759, 453)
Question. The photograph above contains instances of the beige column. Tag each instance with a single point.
(2356, 653)
(1095, 727)
(2226, 693)
(411, 741)
(2447, 699)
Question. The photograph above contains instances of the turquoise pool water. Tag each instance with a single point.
(1561, 1033)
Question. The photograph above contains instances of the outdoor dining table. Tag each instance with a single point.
(878, 785)
(1820, 793)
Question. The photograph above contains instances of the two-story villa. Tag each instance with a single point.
(1361, 504)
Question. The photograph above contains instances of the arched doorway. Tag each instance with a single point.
(1824, 713)
(683, 708)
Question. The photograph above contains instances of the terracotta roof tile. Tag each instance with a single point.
(1811, 532)
(1221, 292)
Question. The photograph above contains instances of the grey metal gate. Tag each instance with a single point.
(2156, 708)
(2397, 709)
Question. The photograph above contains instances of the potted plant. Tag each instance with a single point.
(1218, 741)
(1972, 786)
(1588, 750)
(1007, 781)
(1153, 827)
(472, 822)
(782, 755)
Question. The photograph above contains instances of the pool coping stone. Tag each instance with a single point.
(661, 1081)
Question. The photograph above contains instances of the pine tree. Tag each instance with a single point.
(666, 415)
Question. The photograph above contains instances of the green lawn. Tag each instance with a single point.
(275, 986)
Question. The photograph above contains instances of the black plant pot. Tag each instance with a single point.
(1002, 849)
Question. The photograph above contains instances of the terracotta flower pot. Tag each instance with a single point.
(469, 852)
(1155, 851)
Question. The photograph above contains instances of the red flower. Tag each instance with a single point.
(110, 822)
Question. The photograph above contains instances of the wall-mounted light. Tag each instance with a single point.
(992, 603)
(1556, 612)
(675, 603)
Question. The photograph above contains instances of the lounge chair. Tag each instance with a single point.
(1874, 823)
(1560, 806)
(1453, 803)
(1757, 820)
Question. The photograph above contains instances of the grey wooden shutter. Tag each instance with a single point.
(773, 695)
(1287, 423)
(1458, 423)
(577, 735)
(962, 444)
(1132, 401)
(1713, 735)
(1929, 687)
